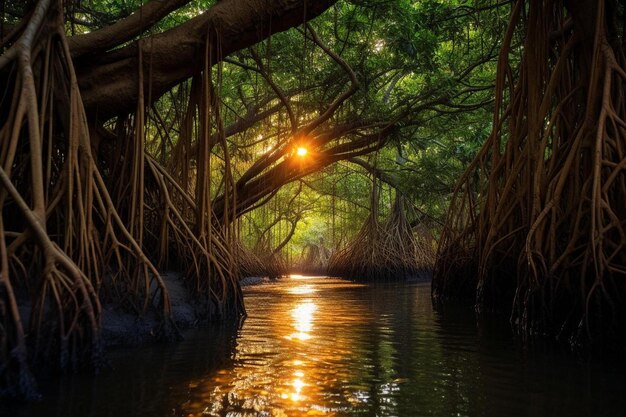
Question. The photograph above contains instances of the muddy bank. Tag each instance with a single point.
(249, 281)
(121, 328)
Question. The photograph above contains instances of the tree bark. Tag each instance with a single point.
(124, 30)
(109, 83)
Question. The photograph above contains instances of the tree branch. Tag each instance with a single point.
(177, 54)
(124, 30)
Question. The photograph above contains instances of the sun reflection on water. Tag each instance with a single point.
(302, 290)
(286, 355)
(297, 386)
(302, 315)
(298, 276)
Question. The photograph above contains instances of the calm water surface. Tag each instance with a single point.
(323, 346)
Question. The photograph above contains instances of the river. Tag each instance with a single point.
(324, 346)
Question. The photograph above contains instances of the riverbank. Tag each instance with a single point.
(121, 328)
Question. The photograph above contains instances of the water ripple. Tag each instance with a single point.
(321, 346)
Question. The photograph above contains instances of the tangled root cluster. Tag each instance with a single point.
(313, 260)
(82, 224)
(385, 251)
(259, 263)
(537, 225)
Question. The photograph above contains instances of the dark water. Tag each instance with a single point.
(322, 346)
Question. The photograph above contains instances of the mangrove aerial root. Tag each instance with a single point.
(78, 226)
(388, 250)
(537, 225)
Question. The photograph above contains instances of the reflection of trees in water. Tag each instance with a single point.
(502, 376)
(414, 369)
(395, 345)
(341, 348)
(148, 381)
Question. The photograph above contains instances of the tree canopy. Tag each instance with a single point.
(231, 137)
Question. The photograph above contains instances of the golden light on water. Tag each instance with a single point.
(288, 358)
(302, 290)
(298, 276)
(302, 315)
(297, 386)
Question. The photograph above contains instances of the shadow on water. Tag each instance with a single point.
(146, 381)
(324, 346)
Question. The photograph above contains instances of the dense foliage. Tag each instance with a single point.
(217, 139)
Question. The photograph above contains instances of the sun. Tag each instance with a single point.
(302, 151)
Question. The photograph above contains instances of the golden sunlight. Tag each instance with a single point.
(302, 290)
(302, 151)
(297, 385)
(302, 315)
(298, 276)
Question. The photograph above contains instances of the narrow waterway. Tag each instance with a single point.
(324, 346)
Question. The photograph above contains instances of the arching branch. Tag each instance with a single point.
(176, 55)
(124, 30)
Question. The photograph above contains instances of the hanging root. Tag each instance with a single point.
(537, 223)
(34, 193)
(64, 243)
(207, 258)
(385, 251)
(185, 229)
